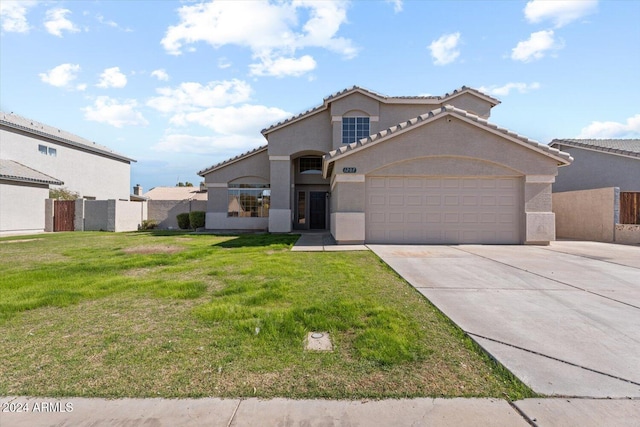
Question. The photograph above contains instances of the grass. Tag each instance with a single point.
(183, 315)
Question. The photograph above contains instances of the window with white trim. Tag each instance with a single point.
(354, 129)
(249, 200)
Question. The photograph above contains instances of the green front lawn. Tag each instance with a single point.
(184, 315)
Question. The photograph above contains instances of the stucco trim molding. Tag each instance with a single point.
(346, 178)
(540, 179)
(216, 185)
(339, 118)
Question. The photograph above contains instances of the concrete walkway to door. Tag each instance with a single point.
(564, 318)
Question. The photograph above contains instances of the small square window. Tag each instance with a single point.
(53, 152)
(42, 149)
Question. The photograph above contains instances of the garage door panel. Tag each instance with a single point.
(443, 210)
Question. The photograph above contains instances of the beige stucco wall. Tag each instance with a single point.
(627, 234)
(586, 214)
(452, 147)
(166, 211)
(89, 174)
(312, 133)
(22, 207)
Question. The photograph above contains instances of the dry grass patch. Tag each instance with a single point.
(153, 249)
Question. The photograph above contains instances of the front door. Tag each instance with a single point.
(317, 210)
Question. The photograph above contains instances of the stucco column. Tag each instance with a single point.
(348, 208)
(280, 179)
(48, 214)
(540, 221)
(78, 217)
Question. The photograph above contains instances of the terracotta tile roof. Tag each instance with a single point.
(203, 172)
(381, 97)
(14, 171)
(22, 123)
(563, 157)
(626, 147)
(175, 193)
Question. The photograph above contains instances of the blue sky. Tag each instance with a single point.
(182, 85)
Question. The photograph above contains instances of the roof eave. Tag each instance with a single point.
(231, 161)
(86, 147)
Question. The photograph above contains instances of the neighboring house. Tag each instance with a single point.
(165, 203)
(599, 163)
(91, 170)
(22, 194)
(378, 169)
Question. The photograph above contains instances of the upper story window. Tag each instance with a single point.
(354, 129)
(43, 149)
(310, 165)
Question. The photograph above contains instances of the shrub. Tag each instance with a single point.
(183, 221)
(196, 219)
(148, 224)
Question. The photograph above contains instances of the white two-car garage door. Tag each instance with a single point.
(443, 210)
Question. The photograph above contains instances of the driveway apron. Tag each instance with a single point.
(565, 318)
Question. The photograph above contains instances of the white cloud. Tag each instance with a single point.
(280, 67)
(110, 23)
(504, 90)
(245, 119)
(13, 15)
(629, 129)
(160, 75)
(111, 111)
(56, 22)
(190, 96)
(269, 30)
(223, 63)
(81, 87)
(222, 146)
(112, 77)
(444, 50)
(536, 47)
(560, 12)
(397, 5)
(61, 76)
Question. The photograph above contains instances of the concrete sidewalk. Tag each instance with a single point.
(319, 241)
(285, 412)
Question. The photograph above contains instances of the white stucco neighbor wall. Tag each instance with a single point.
(22, 208)
(89, 174)
(109, 215)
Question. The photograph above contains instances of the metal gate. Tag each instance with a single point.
(63, 213)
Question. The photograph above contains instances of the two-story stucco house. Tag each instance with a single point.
(37, 155)
(379, 169)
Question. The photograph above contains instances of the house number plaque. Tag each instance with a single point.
(349, 170)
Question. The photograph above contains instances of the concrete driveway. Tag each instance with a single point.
(564, 318)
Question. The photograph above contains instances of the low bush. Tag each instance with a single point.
(183, 221)
(148, 224)
(196, 219)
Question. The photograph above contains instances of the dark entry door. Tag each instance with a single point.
(317, 210)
